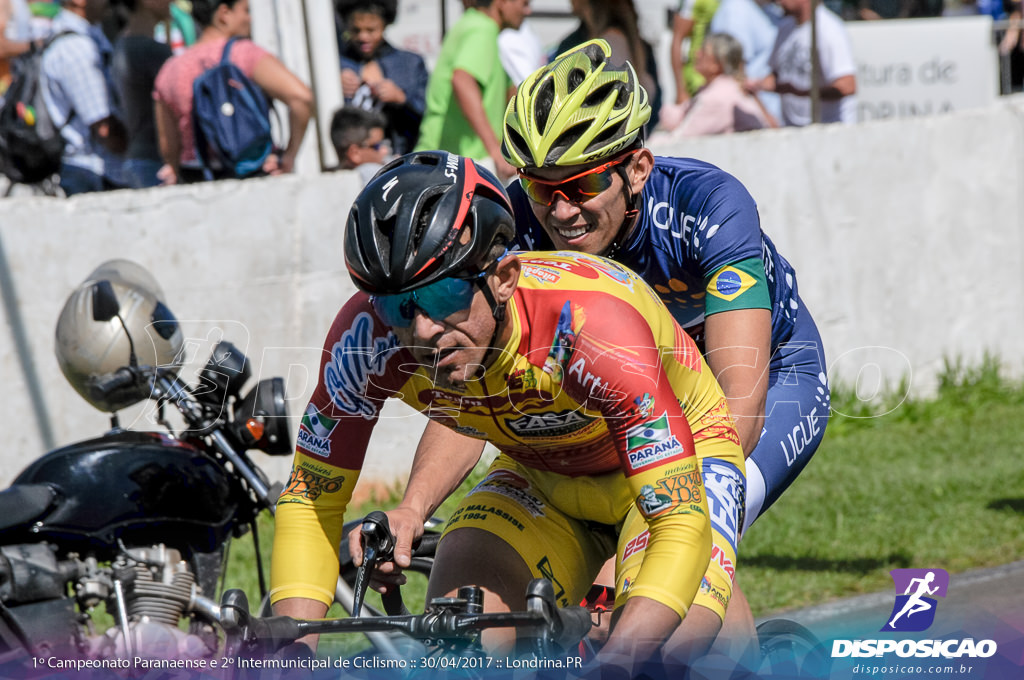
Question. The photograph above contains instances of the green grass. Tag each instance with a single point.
(932, 483)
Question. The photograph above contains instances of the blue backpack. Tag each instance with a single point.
(231, 120)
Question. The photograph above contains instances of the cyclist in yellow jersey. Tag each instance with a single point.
(601, 406)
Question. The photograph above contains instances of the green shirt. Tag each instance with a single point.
(471, 46)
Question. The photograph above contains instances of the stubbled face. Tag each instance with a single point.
(366, 32)
(454, 347)
(591, 226)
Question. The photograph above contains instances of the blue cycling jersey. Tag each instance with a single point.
(697, 223)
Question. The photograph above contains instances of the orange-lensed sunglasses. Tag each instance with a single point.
(576, 189)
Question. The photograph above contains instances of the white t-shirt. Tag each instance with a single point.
(790, 61)
(520, 52)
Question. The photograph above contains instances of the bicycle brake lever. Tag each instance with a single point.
(378, 546)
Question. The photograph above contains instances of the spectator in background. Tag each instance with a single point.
(755, 30)
(15, 35)
(79, 96)
(791, 66)
(468, 90)
(358, 139)
(691, 21)
(136, 61)
(179, 31)
(722, 104)
(378, 77)
(615, 21)
(220, 20)
(1011, 46)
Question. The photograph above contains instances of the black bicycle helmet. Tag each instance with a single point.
(425, 216)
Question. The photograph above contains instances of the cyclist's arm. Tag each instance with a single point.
(444, 458)
(738, 350)
(619, 366)
(356, 377)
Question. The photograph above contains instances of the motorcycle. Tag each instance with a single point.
(139, 521)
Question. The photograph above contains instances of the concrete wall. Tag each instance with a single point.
(906, 235)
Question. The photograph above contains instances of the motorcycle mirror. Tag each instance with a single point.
(104, 301)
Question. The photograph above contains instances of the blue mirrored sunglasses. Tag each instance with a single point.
(439, 300)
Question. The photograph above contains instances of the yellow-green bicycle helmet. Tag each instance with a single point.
(575, 110)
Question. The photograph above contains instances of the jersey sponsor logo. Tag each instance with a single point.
(719, 557)
(470, 431)
(355, 357)
(652, 442)
(522, 378)
(670, 493)
(548, 424)
(652, 503)
(709, 590)
(570, 321)
(636, 544)
(315, 432)
(512, 486)
(729, 283)
(311, 483)
(724, 484)
(663, 216)
(542, 274)
(644, 405)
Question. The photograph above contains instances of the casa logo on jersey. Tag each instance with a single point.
(729, 283)
(548, 424)
(915, 606)
(315, 432)
(652, 443)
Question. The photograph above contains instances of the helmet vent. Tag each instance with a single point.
(426, 214)
(608, 135)
(596, 55)
(598, 96)
(518, 143)
(543, 104)
(575, 79)
(567, 139)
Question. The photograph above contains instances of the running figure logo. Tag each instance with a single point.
(914, 610)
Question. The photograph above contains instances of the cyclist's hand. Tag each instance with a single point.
(407, 526)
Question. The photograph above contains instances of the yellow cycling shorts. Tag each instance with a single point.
(568, 541)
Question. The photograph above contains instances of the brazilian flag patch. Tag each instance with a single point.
(740, 285)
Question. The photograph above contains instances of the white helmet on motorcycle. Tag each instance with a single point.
(90, 349)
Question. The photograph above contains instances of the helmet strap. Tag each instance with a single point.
(632, 210)
(498, 311)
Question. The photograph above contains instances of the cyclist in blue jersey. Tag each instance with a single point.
(586, 182)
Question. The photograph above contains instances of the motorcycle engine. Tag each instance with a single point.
(147, 591)
(152, 590)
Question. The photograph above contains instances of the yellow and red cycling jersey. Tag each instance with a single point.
(597, 381)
